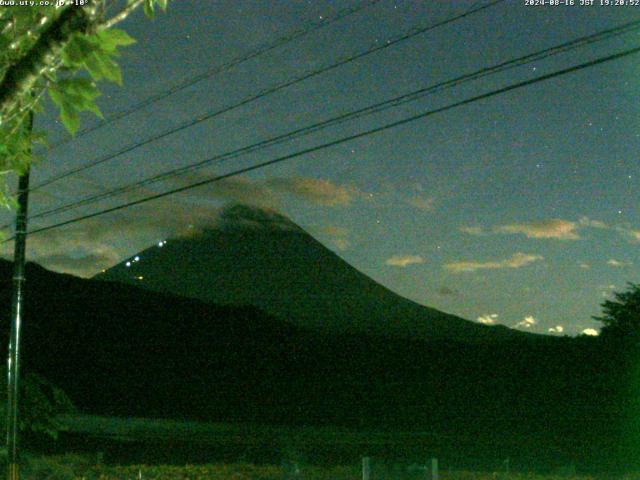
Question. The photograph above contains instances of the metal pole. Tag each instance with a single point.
(434, 469)
(366, 468)
(13, 372)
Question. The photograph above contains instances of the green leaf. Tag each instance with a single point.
(113, 72)
(70, 118)
(56, 96)
(163, 5)
(4, 42)
(100, 65)
(94, 66)
(148, 8)
(82, 87)
(113, 38)
(73, 55)
(78, 49)
(73, 96)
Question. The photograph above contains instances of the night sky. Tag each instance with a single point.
(521, 209)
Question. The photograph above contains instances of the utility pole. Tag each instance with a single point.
(13, 371)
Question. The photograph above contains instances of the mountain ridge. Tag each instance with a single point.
(259, 257)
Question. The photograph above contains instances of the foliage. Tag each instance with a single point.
(621, 316)
(56, 467)
(63, 50)
(40, 403)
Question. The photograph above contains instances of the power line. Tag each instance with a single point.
(375, 108)
(404, 37)
(279, 42)
(339, 141)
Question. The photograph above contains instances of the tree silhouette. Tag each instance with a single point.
(41, 403)
(621, 316)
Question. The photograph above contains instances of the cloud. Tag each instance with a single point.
(341, 244)
(317, 191)
(445, 291)
(85, 248)
(555, 228)
(334, 231)
(617, 263)
(587, 222)
(635, 235)
(234, 189)
(472, 230)
(630, 233)
(556, 329)
(268, 193)
(338, 235)
(89, 246)
(489, 319)
(590, 331)
(81, 264)
(517, 260)
(527, 322)
(404, 260)
(421, 203)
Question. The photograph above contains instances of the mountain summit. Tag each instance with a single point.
(259, 257)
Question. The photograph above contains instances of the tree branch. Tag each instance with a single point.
(22, 75)
(121, 15)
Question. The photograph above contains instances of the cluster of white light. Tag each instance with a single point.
(135, 259)
(161, 243)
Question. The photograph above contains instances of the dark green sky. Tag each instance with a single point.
(522, 206)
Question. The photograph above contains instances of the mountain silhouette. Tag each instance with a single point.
(258, 257)
(119, 349)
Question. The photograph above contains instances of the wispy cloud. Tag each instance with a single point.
(555, 228)
(233, 189)
(404, 260)
(634, 234)
(587, 222)
(270, 193)
(339, 236)
(473, 230)
(317, 191)
(422, 203)
(517, 260)
(612, 262)
(630, 233)
(87, 247)
(489, 319)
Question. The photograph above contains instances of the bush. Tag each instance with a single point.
(57, 467)
(39, 404)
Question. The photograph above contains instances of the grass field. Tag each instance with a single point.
(251, 472)
(71, 467)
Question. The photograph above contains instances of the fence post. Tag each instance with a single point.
(366, 468)
(434, 469)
